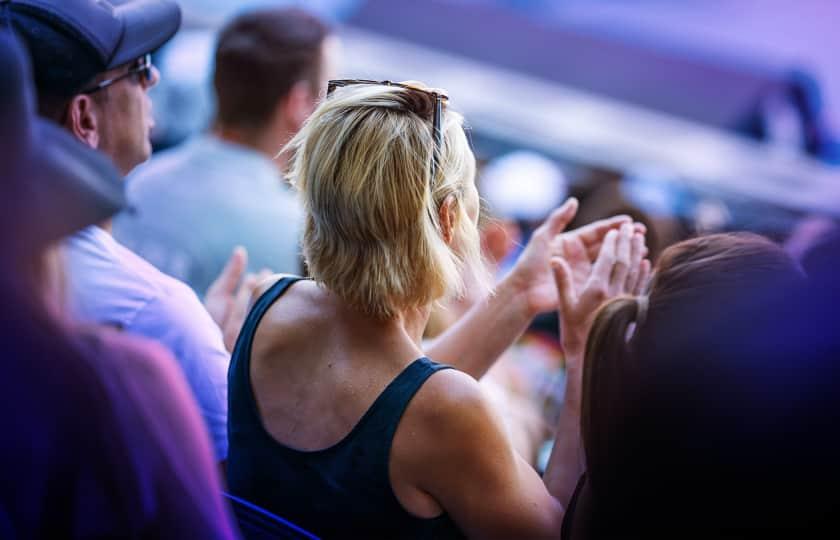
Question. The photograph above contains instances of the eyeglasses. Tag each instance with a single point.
(437, 113)
(142, 66)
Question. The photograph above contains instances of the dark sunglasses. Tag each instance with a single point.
(142, 66)
(437, 114)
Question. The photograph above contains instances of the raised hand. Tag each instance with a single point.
(220, 296)
(620, 268)
(239, 307)
(579, 247)
(228, 297)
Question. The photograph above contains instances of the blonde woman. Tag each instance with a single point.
(339, 421)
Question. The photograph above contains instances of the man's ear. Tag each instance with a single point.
(83, 119)
(447, 218)
(298, 104)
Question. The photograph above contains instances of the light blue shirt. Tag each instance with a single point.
(195, 203)
(108, 284)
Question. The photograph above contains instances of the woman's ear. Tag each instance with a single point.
(447, 216)
(82, 120)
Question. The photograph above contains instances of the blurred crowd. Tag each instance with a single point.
(325, 316)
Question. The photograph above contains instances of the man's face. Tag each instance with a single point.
(125, 117)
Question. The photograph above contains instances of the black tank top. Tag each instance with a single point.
(343, 491)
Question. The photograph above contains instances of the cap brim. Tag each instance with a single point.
(148, 25)
(73, 186)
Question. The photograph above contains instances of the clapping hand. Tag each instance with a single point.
(620, 268)
(579, 247)
(228, 296)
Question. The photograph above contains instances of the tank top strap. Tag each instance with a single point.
(380, 422)
(258, 310)
(239, 377)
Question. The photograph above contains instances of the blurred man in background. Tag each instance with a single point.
(92, 68)
(196, 202)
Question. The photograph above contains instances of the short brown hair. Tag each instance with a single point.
(260, 56)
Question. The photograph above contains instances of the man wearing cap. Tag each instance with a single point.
(91, 60)
(101, 438)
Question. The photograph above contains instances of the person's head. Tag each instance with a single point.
(270, 67)
(380, 232)
(52, 183)
(92, 69)
(684, 395)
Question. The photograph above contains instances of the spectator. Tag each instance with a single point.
(331, 395)
(101, 438)
(92, 71)
(703, 422)
(195, 203)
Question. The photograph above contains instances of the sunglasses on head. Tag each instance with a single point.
(142, 67)
(437, 113)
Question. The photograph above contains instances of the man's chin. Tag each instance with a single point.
(139, 159)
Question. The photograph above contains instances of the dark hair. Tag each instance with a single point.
(260, 56)
(685, 409)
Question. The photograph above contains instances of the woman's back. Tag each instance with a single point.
(316, 395)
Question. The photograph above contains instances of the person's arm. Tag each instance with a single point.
(458, 451)
(177, 320)
(459, 454)
(619, 270)
(475, 341)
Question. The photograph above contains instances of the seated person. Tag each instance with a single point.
(198, 201)
(101, 436)
(339, 420)
(704, 411)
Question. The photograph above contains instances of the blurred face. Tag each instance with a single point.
(126, 117)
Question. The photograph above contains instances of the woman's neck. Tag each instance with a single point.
(413, 323)
(407, 326)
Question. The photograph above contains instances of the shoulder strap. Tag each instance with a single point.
(383, 417)
(240, 395)
(259, 309)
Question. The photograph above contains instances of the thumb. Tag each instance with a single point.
(239, 310)
(560, 218)
(231, 274)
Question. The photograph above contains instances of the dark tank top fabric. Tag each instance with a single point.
(343, 491)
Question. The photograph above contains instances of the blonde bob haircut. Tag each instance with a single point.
(372, 234)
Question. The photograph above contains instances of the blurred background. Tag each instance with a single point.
(694, 116)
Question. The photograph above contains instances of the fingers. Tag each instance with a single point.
(644, 277)
(621, 267)
(565, 288)
(602, 269)
(637, 251)
(228, 280)
(593, 234)
(239, 307)
(560, 218)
